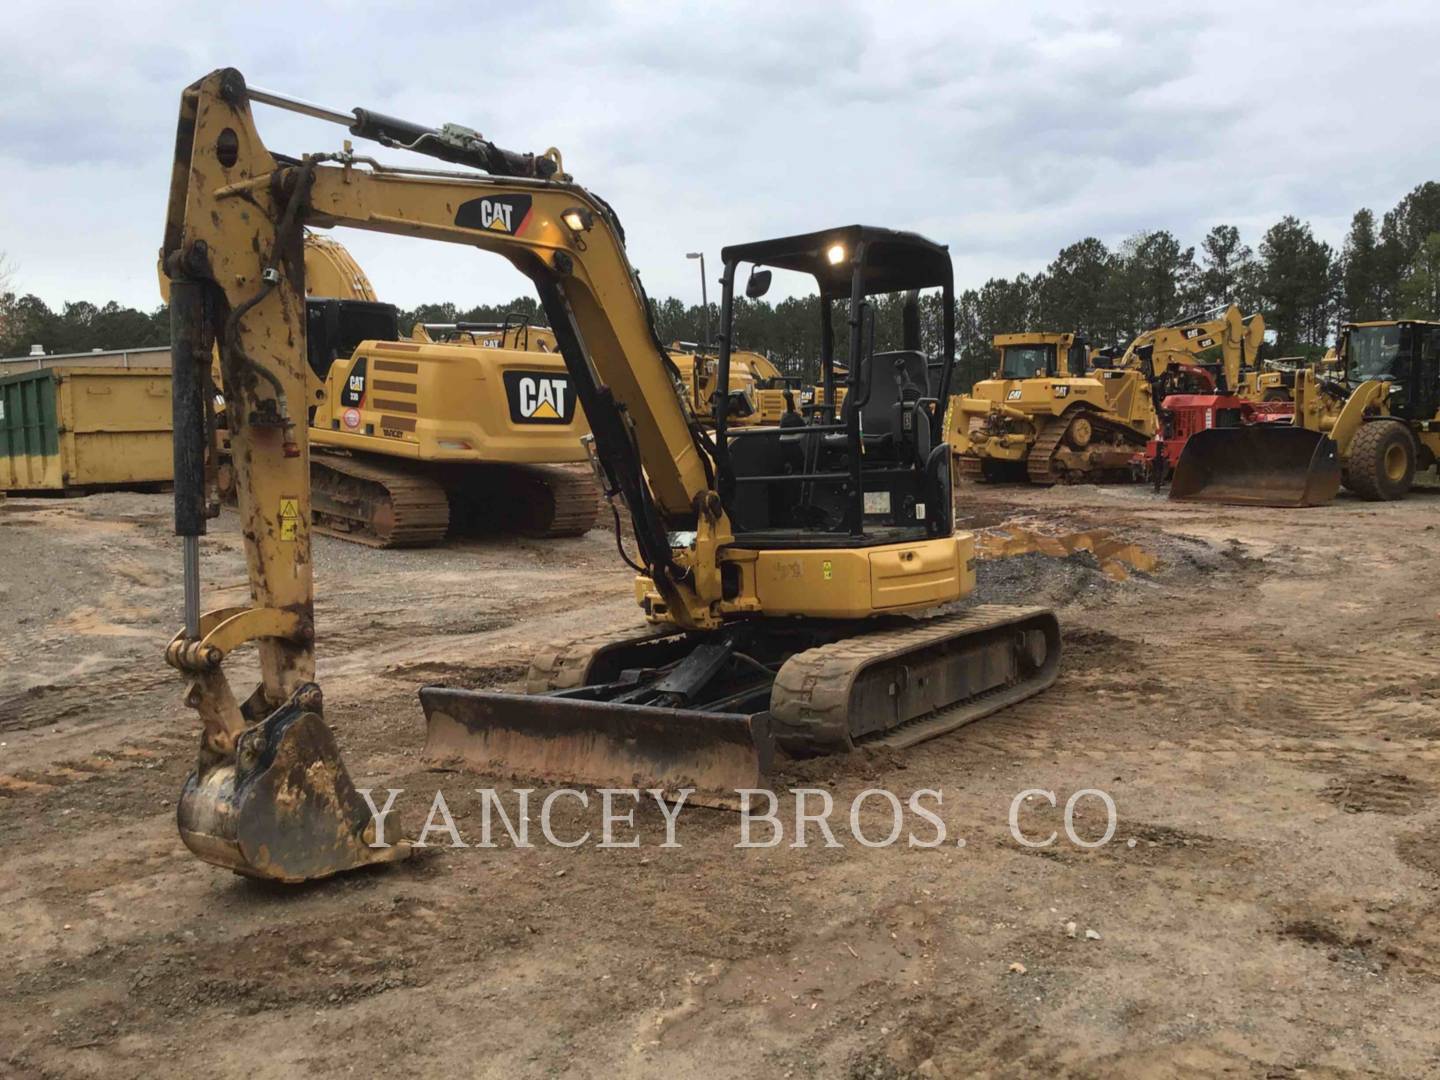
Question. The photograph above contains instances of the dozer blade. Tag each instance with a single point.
(284, 808)
(1258, 465)
(562, 740)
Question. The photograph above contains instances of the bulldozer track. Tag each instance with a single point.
(813, 698)
(1040, 462)
(383, 506)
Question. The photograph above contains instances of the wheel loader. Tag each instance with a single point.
(1051, 421)
(795, 582)
(416, 439)
(1367, 421)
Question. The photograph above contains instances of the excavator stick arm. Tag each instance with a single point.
(234, 257)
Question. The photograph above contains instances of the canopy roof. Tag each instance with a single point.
(894, 261)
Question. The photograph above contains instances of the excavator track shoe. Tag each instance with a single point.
(899, 687)
(284, 808)
(559, 740)
(1258, 465)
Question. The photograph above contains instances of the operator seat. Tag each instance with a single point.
(889, 386)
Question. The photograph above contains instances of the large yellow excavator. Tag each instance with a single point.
(783, 571)
(419, 436)
(1053, 421)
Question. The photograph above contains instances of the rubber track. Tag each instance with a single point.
(563, 665)
(420, 507)
(813, 688)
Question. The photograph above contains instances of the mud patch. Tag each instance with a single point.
(1421, 849)
(505, 674)
(1377, 793)
(1115, 556)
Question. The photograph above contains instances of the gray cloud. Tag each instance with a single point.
(1003, 131)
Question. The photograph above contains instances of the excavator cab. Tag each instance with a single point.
(876, 469)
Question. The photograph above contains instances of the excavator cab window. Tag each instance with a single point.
(874, 469)
(335, 328)
(1027, 361)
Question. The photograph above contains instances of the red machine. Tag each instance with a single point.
(1182, 415)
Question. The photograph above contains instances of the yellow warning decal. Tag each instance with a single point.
(289, 518)
(827, 570)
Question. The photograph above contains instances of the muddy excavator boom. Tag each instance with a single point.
(780, 569)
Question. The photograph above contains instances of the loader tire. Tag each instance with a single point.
(1381, 464)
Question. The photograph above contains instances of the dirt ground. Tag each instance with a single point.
(1260, 704)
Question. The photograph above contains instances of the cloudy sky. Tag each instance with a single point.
(1005, 130)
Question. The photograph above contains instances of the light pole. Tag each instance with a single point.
(704, 298)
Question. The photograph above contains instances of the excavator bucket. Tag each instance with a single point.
(1258, 465)
(566, 740)
(283, 807)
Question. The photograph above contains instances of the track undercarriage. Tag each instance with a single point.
(710, 711)
(391, 503)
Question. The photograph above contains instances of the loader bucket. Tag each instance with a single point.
(1258, 465)
(284, 807)
(566, 740)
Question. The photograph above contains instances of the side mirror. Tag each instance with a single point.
(758, 284)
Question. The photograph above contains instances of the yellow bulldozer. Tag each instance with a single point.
(780, 570)
(1058, 412)
(444, 431)
(989, 445)
(1367, 420)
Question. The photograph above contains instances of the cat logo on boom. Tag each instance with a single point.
(495, 213)
(538, 397)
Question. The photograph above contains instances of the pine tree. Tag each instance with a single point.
(1362, 271)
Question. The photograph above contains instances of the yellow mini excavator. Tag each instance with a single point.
(1367, 418)
(793, 578)
(1052, 421)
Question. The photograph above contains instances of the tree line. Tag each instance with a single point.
(1387, 267)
